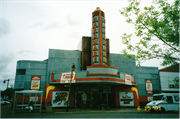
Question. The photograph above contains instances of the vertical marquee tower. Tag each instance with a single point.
(99, 55)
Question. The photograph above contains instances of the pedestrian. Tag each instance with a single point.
(31, 106)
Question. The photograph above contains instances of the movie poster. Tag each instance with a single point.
(60, 98)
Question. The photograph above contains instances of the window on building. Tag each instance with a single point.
(173, 86)
(20, 71)
(156, 91)
(154, 76)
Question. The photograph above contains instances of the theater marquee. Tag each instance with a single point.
(66, 77)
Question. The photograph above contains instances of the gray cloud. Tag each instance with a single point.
(25, 52)
(52, 25)
(5, 60)
(71, 21)
(37, 24)
(5, 26)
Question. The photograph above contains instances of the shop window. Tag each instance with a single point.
(173, 86)
(20, 71)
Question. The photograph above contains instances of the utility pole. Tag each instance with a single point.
(7, 82)
(73, 68)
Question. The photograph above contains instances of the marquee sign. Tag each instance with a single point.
(99, 55)
(66, 77)
(35, 82)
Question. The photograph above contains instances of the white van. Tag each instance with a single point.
(164, 102)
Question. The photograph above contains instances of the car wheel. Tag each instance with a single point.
(162, 110)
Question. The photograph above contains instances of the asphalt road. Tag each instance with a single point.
(101, 115)
(115, 115)
(6, 112)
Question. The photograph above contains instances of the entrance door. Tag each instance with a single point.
(111, 100)
(78, 101)
(104, 98)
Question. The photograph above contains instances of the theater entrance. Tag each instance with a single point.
(94, 97)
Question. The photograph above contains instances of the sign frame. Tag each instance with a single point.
(36, 82)
(65, 77)
(61, 100)
(149, 87)
(128, 79)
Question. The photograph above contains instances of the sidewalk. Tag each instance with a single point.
(6, 111)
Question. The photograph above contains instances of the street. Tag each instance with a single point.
(101, 115)
(116, 115)
(6, 112)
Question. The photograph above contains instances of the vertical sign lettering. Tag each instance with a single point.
(95, 40)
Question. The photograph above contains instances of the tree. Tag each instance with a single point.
(9, 92)
(176, 81)
(158, 22)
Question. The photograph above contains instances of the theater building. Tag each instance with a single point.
(100, 77)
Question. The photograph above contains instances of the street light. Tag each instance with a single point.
(7, 82)
(73, 68)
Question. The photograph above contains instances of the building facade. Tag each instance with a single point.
(100, 77)
(167, 75)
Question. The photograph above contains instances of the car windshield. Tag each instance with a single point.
(157, 97)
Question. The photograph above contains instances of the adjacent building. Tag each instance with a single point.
(167, 75)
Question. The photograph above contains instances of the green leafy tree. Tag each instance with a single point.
(176, 81)
(160, 22)
(2, 94)
(9, 92)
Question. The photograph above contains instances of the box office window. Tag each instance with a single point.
(20, 71)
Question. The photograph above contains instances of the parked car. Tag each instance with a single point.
(3, 102)
(164, 102)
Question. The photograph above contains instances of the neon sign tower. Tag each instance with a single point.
(99, 55)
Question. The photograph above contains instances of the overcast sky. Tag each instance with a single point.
(29, 28)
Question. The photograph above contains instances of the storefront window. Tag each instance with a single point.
(159, 97)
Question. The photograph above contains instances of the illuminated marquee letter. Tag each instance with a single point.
(104, 31)
(94, 42)
(104, 47)
(105, 42)
(95, 30)
(95, 35)
(104, 36)
(95, 47)
(94, 53)
(105, 60)
(94, 19)
(95, 59)
(104, 53)
(94, 25)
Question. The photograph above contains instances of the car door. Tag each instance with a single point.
(170, 104)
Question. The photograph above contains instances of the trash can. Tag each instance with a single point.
(49, 107)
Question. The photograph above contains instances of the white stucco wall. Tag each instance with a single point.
(167, 78)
